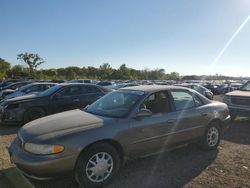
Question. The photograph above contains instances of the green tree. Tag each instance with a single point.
(157, 74)
(4, 67)
(32, 60)
(173, 76)
(92, 72)
(70, 73)
(105, 71)
(49, 73)
(17, 71)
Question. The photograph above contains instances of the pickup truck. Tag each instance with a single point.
(238, 101)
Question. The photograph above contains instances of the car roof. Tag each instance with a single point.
(42, 83)
(85, 84)
(153, 88)
(81, 84)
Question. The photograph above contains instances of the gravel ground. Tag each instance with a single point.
(229, 166)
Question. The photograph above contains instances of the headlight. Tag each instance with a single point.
(43, 149)
(227, 99)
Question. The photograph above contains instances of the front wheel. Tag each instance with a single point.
(97, 165)
(212, 136)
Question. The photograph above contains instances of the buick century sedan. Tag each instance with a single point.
(92, 144)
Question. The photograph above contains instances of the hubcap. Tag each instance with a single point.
(212, 136)
(99, 167)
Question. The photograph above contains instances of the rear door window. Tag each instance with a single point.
(90, 89)
(70, 91)
(182, 100)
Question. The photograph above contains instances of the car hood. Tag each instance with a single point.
(239, 93)
(59, 124)
(8, 90)
(23, 98)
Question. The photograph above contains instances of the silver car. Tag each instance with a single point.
(92, 144)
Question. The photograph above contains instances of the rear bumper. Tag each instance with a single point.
(41, 167)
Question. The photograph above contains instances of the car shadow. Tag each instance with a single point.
(238, 131)
(169, 169)
(7, 130)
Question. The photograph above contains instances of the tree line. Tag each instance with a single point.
(103, 72)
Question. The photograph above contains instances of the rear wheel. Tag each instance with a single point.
(211, 138)
(97, 165)
(32, 114)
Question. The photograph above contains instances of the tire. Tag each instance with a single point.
(87, 159)
(32, 114)
(211, 137)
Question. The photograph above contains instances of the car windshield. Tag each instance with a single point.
(245, 87)
(11, 86)
(50, 90)
(116, 104)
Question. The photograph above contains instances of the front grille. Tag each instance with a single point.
(241, 101)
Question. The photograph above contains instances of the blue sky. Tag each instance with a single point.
(182, 35)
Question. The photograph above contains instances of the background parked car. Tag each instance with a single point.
(230, 87)
(61, 97)
(86, 81)
(238, 101)
(213, 87)
(106, 84)
(199, 88)
(127, 123)
(12, 88)
(123, 85)
(8, 82)
(33, 88)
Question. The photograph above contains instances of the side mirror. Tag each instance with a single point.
(143, 113)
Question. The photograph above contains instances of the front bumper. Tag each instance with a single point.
(10, 117)
(41, 167)
(239, 110)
